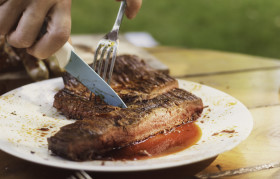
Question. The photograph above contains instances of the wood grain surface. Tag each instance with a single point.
(255, 81)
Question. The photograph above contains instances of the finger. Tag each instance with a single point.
(10, 12)
(133, 6)
(29, 25)
(58, 31)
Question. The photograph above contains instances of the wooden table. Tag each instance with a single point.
(255, 81)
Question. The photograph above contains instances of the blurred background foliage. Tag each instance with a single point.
(244, 26)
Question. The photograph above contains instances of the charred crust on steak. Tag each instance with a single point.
(155, 104)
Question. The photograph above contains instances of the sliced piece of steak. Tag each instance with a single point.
(104, 128)
(155, 104)
(132, 79)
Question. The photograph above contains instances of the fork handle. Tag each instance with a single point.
(120, 16)
(63, 55)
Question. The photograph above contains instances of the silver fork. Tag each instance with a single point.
(80, 175)
(108, 47)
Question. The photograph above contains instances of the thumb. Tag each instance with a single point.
(132, 8)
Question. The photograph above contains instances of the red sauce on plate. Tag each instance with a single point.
(170, 142)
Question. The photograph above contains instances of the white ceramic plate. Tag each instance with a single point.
(25, 110)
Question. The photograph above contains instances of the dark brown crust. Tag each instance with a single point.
(132, 79)
(102, 128)
(109, 128)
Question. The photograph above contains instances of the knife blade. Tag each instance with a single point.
(74, 65)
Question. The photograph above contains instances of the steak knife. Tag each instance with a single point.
(74, 65)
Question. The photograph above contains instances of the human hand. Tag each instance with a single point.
(21, 22)
(133, 6)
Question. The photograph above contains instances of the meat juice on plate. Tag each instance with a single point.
(165, 143)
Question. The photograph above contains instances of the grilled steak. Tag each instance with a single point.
(132, 79)
(155, 104)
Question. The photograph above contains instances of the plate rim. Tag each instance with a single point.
(104, 168)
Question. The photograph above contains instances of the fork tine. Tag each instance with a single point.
(115, 48)
(101, 59)
(96, 54)
(109, 52)
(94, 64)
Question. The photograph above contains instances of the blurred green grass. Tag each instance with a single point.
(244, 26)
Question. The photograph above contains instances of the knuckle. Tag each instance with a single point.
(24, 42)
(37, 54)
(20, 41)
(43, 55)
(61, 36)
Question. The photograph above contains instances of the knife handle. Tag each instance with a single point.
(63, 54)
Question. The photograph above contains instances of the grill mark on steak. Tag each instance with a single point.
(102, 128)
(100, 132)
